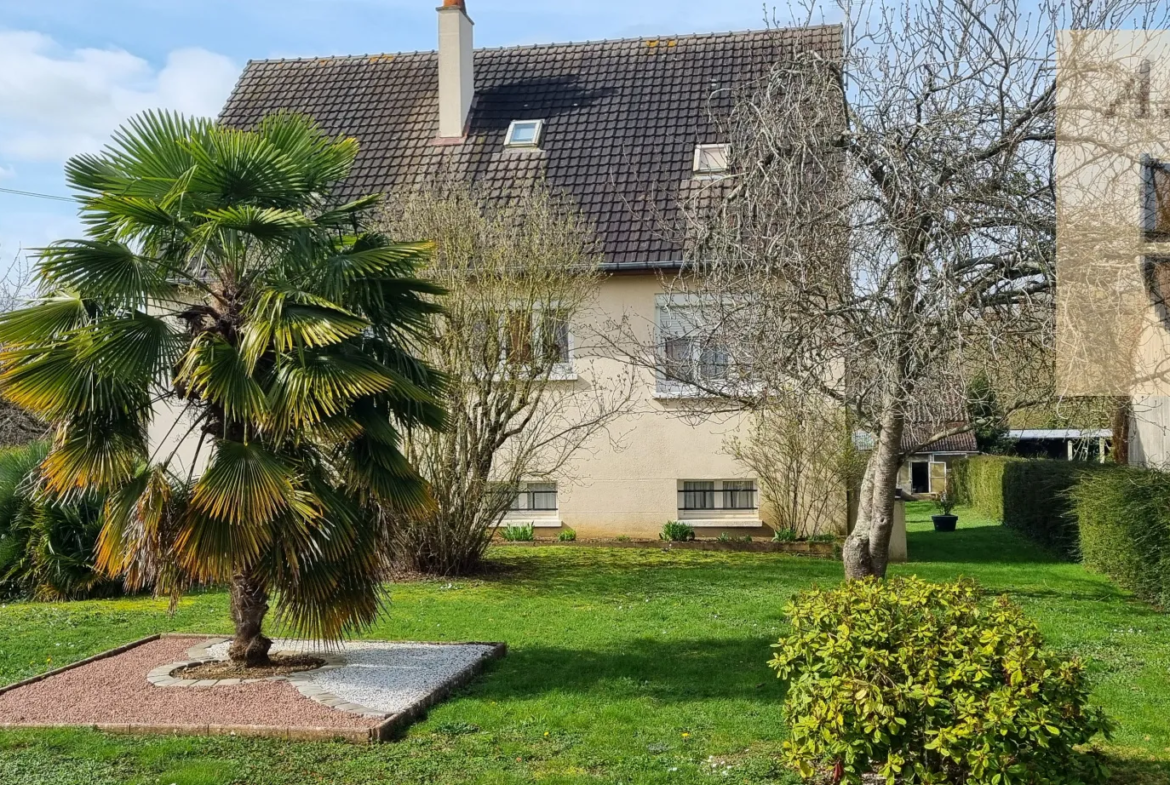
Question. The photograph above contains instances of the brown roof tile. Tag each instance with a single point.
(622, 119)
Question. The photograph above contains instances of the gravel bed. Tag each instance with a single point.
(382, 676)
(115, 690)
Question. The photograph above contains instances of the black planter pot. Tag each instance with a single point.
(944, 523)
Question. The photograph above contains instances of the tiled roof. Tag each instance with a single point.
(959, 442)
(622, 120)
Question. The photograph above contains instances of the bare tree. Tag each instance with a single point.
(805, 459)
(521, 278)
(887, 229)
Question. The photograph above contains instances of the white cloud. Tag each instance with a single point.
(55, 103)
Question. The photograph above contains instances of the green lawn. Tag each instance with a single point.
(631, 666)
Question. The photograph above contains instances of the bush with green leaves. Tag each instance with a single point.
(784, 535)
(1124, 520)
(928, 683)
(525, 532)
(46, 543)
(677, 531)
(567, 535)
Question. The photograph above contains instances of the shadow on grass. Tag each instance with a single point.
(1134, 771)
(976, 545)
(687, 670)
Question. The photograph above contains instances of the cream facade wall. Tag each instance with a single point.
(1113, 325)
(627, 481)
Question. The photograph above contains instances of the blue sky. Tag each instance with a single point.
(72, 70)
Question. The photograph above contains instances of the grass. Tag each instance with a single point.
(625, 666)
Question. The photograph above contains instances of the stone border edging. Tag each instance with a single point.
(383, 731)
(94, 658)
(396, 723)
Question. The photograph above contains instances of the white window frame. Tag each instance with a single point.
(560, 371)
(719, 515)
(523, 514)
(702, 151)
(537, 135)
(667, 386)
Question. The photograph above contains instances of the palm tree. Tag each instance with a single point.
(218, 275)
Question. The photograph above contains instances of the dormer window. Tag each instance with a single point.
(524, 133)
(711, 158)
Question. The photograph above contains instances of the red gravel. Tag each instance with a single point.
(115, 690)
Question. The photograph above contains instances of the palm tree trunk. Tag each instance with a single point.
(249, 598)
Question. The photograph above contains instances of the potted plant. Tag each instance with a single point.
(944, 521)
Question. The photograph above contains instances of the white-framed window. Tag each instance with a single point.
(538, 338)
(711, 159)
(524, 133)
(691, 358)
(698, 495)
(535, 497)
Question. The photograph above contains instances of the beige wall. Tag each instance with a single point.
(627, 481)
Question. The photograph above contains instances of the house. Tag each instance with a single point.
(927, 467)
(1113, 233)
(628, 129)
(927, 462)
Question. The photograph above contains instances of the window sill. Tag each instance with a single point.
(537, 522)
(562, 373)
(681, 394)
(731, 522)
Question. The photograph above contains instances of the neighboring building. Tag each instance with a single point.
(926, 470)
(629, 129)
(1113, 229)
(1062, 444)
(926, 465)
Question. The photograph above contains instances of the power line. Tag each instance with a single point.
(35, 195)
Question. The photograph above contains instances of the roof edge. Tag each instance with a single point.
(556, 44)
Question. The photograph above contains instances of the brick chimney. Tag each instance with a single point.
(456, 80)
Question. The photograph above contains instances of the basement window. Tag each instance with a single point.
(711, 158)
(524, 133)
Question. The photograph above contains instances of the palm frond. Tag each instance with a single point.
(96, 453)
(47, 319)
(215, 370)
(263, 223)
(108, 271)
(136, 348)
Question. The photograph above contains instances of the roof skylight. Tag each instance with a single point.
(711, 158)
(524, 133)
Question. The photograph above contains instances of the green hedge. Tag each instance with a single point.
(1030, 496)
(978, 483)
(1124, 518)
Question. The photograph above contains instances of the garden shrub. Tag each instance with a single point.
(677, 531)
(46, 544)
(567, 535)
(927, 683)
(522, 533)
(1124, 519)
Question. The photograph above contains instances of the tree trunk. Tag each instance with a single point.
(249, 598)
(1122, 409)
(867, 548)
